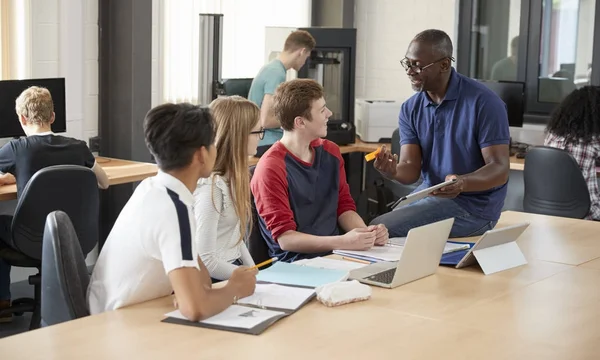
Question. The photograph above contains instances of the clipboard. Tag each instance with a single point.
(415, 196)
(249, 315)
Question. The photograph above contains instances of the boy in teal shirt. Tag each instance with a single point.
(296, 50)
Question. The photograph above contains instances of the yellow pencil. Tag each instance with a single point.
(267, 262)
(371, 156)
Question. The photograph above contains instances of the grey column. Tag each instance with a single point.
(125, 62)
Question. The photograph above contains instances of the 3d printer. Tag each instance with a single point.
(333, 64)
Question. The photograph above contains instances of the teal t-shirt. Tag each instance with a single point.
(267, 80)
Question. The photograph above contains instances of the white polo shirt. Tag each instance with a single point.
(152, 236)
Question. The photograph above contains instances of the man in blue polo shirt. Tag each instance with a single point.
(454, 127)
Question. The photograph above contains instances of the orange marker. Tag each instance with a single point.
(371, 156)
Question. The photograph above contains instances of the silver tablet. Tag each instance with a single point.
(411, 198)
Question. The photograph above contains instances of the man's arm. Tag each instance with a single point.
(494, 173)
(267, 117)
(493, 138)
(407, 168)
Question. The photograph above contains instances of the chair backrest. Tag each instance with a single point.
(256, 243)
(554, 184)
(65, 276)
(69, 188)
(396, 142)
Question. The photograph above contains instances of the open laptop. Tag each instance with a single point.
(492, 238)
(420, 258)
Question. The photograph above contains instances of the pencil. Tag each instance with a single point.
(356, 260)
(266, 262)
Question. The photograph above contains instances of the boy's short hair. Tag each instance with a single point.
(294, 98)
(299, 39)
(35, 103)
(174, 132)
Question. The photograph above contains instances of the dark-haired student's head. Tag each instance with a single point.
(300, 106)
(577, 118)
(180, 136)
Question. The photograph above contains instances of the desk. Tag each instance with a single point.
(358, 146)
(547, 309)
(118, 171)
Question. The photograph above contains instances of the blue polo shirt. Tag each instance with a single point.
(452, 134)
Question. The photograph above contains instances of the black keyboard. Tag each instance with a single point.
(384, 277)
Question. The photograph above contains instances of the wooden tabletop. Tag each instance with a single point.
(547, 309)
(118, 171)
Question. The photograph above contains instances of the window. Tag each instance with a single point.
(555, 49)
(495, 39)
(244, 25)
(566, 45)
(14, 40)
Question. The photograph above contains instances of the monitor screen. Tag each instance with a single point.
(10, 91)
(513, 95)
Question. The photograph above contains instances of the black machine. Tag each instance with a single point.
(333, 64)
(10, 91)
(513, 95)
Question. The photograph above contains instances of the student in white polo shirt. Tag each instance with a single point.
(151, 251)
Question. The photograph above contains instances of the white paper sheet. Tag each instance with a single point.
(325, 263)
(278, 296)
(235, 316)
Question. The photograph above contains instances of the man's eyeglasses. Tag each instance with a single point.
(260, 133)
(418, 69)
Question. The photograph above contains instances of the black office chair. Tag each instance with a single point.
(69, 188)
(256, 243)
(66, 278)
(554, 184)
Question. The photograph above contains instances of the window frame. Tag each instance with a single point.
(530, 33)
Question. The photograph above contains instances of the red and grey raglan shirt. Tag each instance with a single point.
(291, 194)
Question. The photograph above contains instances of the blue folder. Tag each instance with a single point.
(453, 258)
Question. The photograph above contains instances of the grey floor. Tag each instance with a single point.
(20, 323)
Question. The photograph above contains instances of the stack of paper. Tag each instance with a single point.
(235, 317)
(306, 276)
(393, 250)
(278, 297)
(325, 263)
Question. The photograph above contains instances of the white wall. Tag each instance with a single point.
(64, 36)
(384, 30)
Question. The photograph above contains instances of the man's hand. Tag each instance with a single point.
(451, 191)
(243, 280)
(359, 239)
(386, 163)
(381, 234)
(7, 179)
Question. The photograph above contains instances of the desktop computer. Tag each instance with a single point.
(513, 95)
(10, 91)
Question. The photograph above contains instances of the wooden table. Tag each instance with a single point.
(118, 171)
(547, 309)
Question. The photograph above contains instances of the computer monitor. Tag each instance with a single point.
(513, 95)
(10, 91)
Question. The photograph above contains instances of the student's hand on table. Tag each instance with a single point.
(451, 191)
(386, 163)
(359, 239)
(381, 234)
(243, 280)
(7, 179)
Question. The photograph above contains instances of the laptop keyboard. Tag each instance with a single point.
(384, 277)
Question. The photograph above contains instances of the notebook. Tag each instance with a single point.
(303, 276)
(255, 313)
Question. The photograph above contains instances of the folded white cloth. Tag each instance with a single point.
(345, 292)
